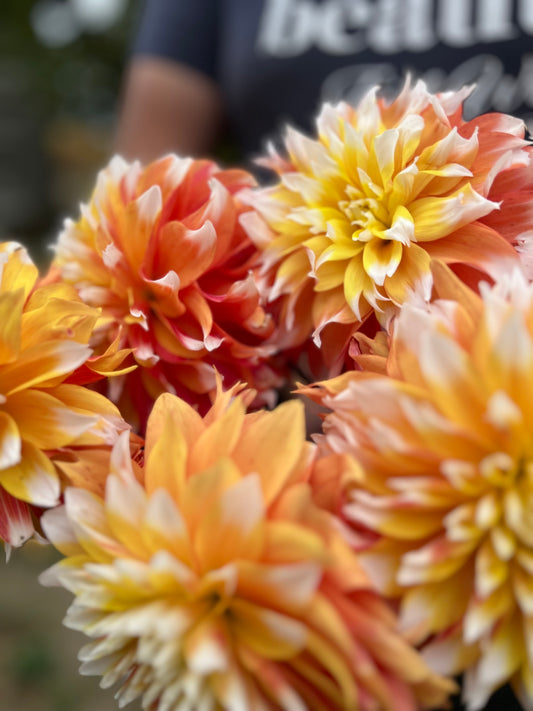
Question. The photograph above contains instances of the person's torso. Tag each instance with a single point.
(280, 59)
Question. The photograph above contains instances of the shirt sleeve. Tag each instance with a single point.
(181, 30)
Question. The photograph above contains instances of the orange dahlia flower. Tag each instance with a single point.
(360, 210)
(161, 250)
(444, 442)
(218, 584)
(44, 334)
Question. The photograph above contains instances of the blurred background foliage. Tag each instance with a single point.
(61, 67)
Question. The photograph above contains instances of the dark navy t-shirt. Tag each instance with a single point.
(276, 61)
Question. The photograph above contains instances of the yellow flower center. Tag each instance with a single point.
(500, 469)
(368, 216)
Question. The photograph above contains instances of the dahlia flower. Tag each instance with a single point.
(44, 334)
(445, 483)
(360, 210)
(161, 251)
(218, 584)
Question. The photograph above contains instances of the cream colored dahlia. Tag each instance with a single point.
(361, 209)
(444, 443)
(161, 251)
(44, 415)
(219, 584)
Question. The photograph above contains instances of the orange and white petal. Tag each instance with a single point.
(33, 479)
(16, 525)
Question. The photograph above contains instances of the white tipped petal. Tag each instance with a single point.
(126, 499)
(163, 516)
(111, 256)
(149, 204)
(243, 504)
(10, 443)
(208, 655)
(502, 411)
(59, 531)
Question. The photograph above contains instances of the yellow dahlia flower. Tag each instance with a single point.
(445, 446)
(218, 584)
(360, 210)
(161, 251)
(44, 334)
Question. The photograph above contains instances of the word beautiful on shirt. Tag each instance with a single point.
(289, 28)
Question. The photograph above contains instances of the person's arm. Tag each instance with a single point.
(167, 107)
(170, 98)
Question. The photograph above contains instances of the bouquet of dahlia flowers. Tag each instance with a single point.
(219, 559)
